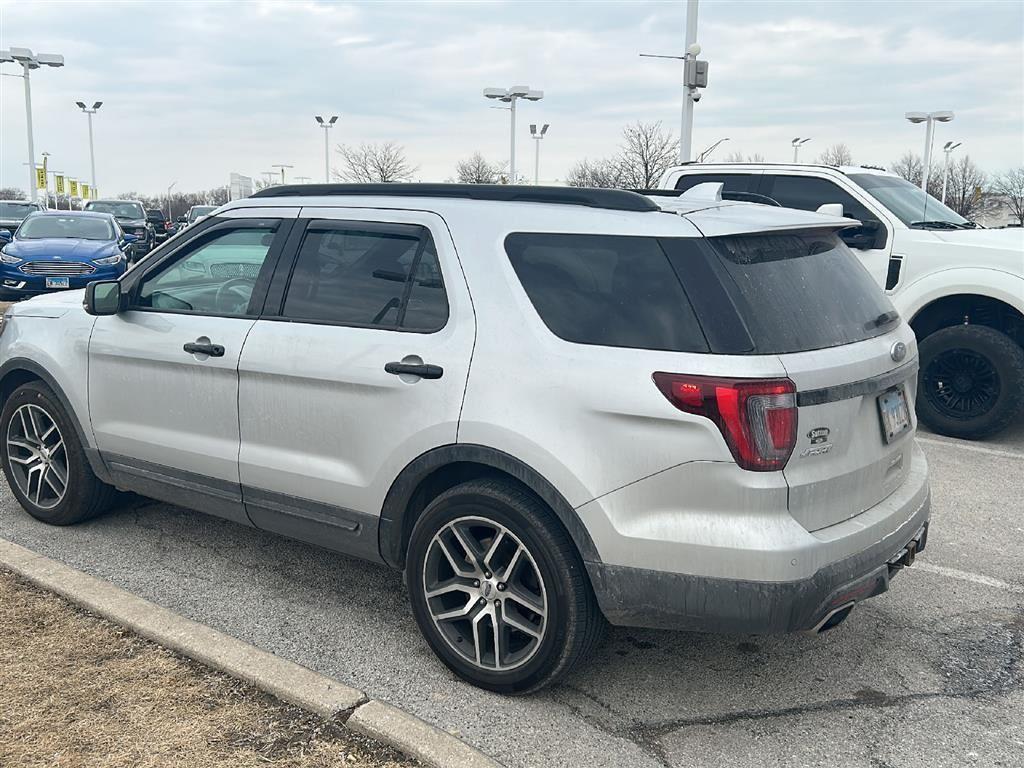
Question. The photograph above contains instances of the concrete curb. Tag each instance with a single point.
(284, 679)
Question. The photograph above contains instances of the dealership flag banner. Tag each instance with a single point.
(73, 184)
(58, 183)
(40, 178)
(85, 191)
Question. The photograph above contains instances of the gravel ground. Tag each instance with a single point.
(80, 691)
(928, 674)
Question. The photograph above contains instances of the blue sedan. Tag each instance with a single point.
(57, 250)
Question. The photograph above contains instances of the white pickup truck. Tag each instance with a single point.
(960, 286)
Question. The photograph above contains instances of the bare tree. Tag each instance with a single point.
(837, 154)
(1009, 186)
(967, 184)
(12, 193)
(218, 196)
(478, 170)
(370, 163)
(595, 173)
(911, 166)
(647, 152)
(737, 157)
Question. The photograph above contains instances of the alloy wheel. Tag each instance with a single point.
(961, 384)
(485, 593)
(38, 456)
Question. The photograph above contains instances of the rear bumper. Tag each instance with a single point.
(645, 598)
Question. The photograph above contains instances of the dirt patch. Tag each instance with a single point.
(78, 691)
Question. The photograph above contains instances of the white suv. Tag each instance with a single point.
(961, 287)
(548, 406)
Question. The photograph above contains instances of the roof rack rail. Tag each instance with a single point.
(612, 199)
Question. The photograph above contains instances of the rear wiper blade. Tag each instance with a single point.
(885, 318)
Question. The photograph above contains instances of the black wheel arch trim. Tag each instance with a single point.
(18, 364)
(395, 527)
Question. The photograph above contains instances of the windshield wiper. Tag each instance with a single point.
(937, 224)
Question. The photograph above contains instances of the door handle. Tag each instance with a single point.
(200, 348)
(424, 371)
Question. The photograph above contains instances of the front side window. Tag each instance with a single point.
(214, 276)
(369, 275)
(605, 289)
(808, 193)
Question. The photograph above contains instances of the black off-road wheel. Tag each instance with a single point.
(498, 589)
(971, 383)
(43, 459)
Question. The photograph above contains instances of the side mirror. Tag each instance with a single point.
(6, 236)
(182, 219)
(103, 298)
(870, 234)
(831, 209)
(129, 239)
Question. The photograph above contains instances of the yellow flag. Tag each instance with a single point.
(73, 183)
(85, 191)
(40, 178)
(58, 183)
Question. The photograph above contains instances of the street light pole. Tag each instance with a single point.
(929, 118)
(797, 143)
(686, 126)
(510, 96)
(282, 167)
(170, 215)
(92, 153)
(536, 155)
(703, 156)
(948, 149)
(327, 125)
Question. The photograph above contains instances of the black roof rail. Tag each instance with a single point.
(612, 199)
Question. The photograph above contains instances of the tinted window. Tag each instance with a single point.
(808, 194)
(607, 290)
(377, 275)
(214, 276)
(798, 292)
(731, 182)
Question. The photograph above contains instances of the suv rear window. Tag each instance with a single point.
(801, 291)
(608, 290)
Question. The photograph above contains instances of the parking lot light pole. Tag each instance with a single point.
(282, 167)
(92, 153)
(929, 118)
(948, 149)
(797, 143)
(327, 125)
(537, 136)
(510, 96)
(170, 216)
(703, 156)
(28, 62)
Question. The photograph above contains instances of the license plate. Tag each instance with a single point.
(58, 282)
(892, 407)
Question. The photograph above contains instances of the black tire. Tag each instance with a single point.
(85, 496)
(574, 623)
(971, 383)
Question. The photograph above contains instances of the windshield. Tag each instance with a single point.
(9, 210)
(199, 210)
(83, 227)
(120, 210)
(909, 202)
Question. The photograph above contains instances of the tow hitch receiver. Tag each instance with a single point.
(906, 556)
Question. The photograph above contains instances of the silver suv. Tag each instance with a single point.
(549, 407)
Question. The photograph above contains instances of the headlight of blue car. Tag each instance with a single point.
(6, 258)
(109, 260)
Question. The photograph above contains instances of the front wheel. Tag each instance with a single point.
(971, 383)
(498, 589)
(43, 460)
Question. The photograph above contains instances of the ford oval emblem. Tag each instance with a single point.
(898, 351)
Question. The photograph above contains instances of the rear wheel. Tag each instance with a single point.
(498, 589)
(43, 460)
(971, 383)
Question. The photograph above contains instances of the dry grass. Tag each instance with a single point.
(78, 691)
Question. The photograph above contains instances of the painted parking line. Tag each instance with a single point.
(974, 578)
(959, 445)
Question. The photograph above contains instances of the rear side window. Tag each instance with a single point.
(368, 274)
(801, 291)
(607, 290)
(809, 193)
(731, 182)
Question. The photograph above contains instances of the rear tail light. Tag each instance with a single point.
(757, 418)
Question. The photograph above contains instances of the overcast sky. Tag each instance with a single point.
(192, 91)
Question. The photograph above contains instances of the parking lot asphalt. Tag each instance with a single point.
(930, 673)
